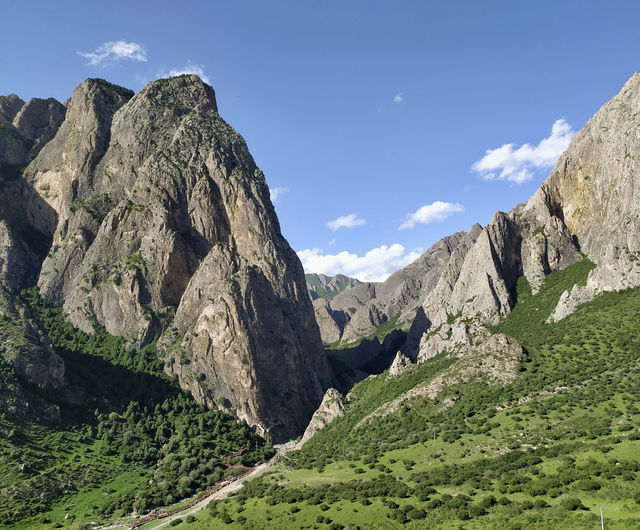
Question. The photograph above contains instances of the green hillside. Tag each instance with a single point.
(129, 438)
(545, 451)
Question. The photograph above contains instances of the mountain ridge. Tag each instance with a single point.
(161, 225)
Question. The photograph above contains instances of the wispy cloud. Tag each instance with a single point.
(375, 266)
(277, 192)
(346, 221)
(431, 213)
(516, 164)
(189, 68)
(113, 51)
(398, 98)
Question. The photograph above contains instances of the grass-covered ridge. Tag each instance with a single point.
(129, 439)
(546, 451)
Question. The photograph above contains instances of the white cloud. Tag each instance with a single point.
(111, 52)
(189, 68)
(346, 221)
(375, 266)
(398, 98)
(276, 192)
(431, 213)
(515, 164)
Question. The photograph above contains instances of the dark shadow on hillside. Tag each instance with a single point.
(419, 327)
(95, 383)
(369, 357)
(26, 212)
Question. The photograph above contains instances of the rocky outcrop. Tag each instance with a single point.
(161, 225)
(546, 247)
(452, 338)
(570, 300)
(330, 322)
(487, 276)
(493, 360)
(25, 353)
(26, 127)
(401, 363)
(594, 188)
(331, 408)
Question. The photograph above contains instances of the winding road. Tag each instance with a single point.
(219, 494)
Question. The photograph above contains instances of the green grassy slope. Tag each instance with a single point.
(129, 438)
(546, 451)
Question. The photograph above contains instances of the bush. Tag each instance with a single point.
(572, 504)
(588, 484)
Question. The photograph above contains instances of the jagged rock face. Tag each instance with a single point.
(26, 127)
(161, 221)
(9, 106)
(589, 203)
(20, 340)
(331, 408)
(401, 363)
(488, 273)
(330, 322)
(452, 338)
(595, 188)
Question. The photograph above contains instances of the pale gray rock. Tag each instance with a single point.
(329, 322)
(26, 127)
(9, 106)
(570, 300)
(593, 188)
(401, 363)
(453, 338)
(331, 408)
(37, 122)
(161, 222)
(487, 276)
(24, 345)
(365, 307)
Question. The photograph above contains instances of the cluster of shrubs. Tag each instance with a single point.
(139, 417)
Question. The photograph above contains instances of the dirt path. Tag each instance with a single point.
(217, 495)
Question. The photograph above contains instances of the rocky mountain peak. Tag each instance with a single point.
(161, 228)
(9, 107)
(181, 94)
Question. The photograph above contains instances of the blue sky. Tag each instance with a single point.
(373, 115)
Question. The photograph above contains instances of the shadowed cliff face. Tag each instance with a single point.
(162, 226)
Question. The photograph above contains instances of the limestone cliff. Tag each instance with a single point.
(331, 408)
(587, 206)
(160, 224)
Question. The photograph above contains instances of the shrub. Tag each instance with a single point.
(572, 504)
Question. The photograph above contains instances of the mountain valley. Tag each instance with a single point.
(158, 335)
